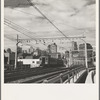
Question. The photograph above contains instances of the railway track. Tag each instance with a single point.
(22, 70)
(31, 72)
(36, 77)
(39, 78)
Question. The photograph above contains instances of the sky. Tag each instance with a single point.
(72, 17)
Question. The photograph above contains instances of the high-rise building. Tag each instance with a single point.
(52, 48)
(30, 50)
(74, 45)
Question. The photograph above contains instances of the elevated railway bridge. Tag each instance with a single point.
(78, 67)
(75, 74)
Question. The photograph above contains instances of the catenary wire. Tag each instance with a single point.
(46, 17)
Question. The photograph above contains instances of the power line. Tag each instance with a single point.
(16, 28)
(14, 40)
(46, 17)
(20, 39)
(23, 12)
(77, 28)
(30, 37)
(52, 38)
(49, 20)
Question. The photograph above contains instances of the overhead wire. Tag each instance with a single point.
(20, 39)
(33, 5)
(46, 17)
(15, 41)
(19, 31)
(77, 28)
(23, 12)
(60, 47)
(42, 14)
(16, 28)
(11, 26)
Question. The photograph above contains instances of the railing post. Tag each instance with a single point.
(78, 71)
(76, 74)
(68, 78)
(61, 80)
(73, 76)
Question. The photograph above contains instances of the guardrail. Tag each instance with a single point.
(68, 77)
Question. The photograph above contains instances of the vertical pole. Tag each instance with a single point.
(76, 74)
(68, 78)
(73, 76)
(61, 80)
(92, 57)
(70, 58)
(16, 53)
(72, 53)
(86, 61)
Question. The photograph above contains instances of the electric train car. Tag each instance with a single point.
(47, 61)
(31, 62)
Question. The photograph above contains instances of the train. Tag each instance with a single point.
(47, 61)
(42, 61)
(29, 63)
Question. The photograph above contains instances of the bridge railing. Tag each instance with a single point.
(67, 77)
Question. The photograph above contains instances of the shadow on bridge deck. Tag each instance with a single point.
(82, 78)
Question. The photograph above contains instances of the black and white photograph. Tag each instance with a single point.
(50, 42)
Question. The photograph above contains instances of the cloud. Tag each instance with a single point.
(86, 3)
(21, 3)
(85, 18)
(15, 3)
(76, 11)
(90, 2)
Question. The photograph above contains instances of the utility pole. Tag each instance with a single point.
(16, 57)
(86, 61)
(70, 57)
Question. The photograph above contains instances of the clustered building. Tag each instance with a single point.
(31, 53)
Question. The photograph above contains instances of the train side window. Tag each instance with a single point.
(33, 61)
(38, 62)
